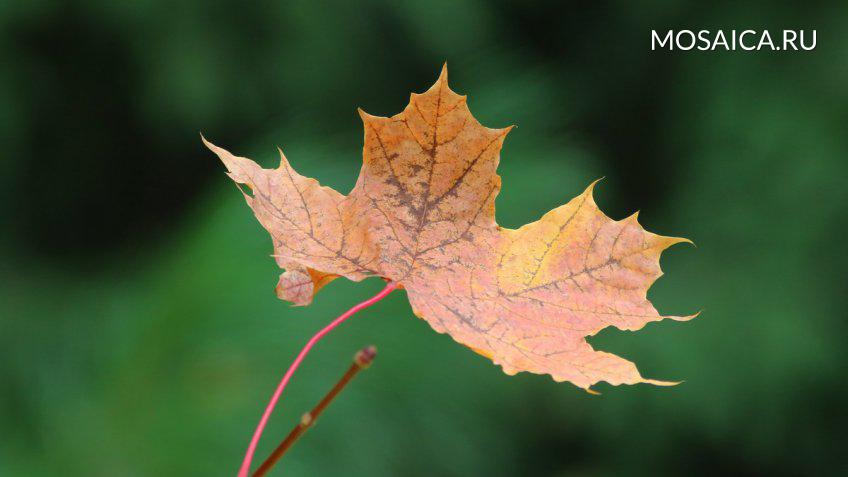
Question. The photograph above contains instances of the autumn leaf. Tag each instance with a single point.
(422, 214)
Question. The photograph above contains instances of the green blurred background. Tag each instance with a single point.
(139, 331)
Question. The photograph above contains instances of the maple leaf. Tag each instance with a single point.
(422, 214)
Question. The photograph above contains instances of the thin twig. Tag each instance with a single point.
(362, 360)
(244, 470)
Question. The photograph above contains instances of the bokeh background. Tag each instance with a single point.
(139, 331)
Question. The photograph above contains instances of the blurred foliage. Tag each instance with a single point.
(139, 334)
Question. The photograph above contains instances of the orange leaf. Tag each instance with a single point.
(422, 214)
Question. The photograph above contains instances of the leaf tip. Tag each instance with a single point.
(634, 217)
(687, 317)
(591, 189)
(592, 391)
(657, 382)
(669, 241)
(367, 118)
(283, 160)
(207, 143)
(443, 75)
